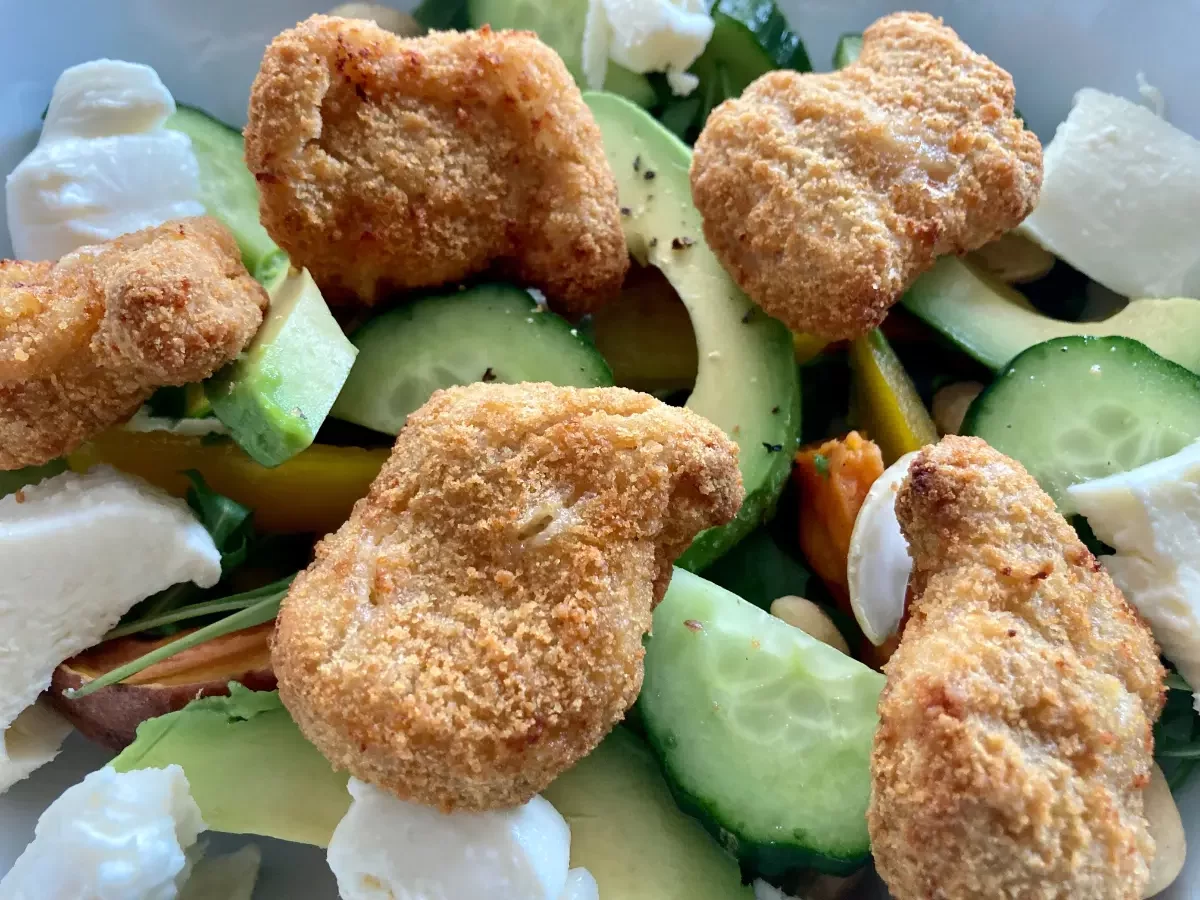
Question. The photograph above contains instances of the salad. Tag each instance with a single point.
(579, 451)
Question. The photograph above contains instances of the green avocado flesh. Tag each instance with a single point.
(275, 396)
(252, 772)
(994, 323)
(249, 768)
(747, 382)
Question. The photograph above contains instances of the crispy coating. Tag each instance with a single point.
(826, 195)
(1015, 728)
(476, 627)
(85, 341)
(390, 163)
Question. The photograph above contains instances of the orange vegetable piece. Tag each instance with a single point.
(833, 480)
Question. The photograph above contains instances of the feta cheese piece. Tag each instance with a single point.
(32, 740)
(104, 165)
(878, 565)
(1151, 517)
(111, 837)
(1119, 198)
(386, 847)
(76, 553)
(646, 36)
(580, 886)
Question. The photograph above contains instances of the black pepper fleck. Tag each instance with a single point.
(653, 242)
(746, 316)
(772, 448)
(681, 243)
(649, 174)
(774, 410)
(637, 163)
(488, 374)
(626, 211)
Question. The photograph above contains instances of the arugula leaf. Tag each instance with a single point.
(262, 610)
(203, 609)
(230, 524)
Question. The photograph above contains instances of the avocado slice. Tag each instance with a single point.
(249, 768)
(627, 831)
(252, 772)
(275, 396)
(747, 382)
(992, 322)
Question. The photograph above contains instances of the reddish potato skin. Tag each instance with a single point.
(110, 716)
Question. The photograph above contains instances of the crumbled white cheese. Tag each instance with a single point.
(1151, 517)
(76, 553)
(111, 837)
(32, 740)
(386, 847)
(1119, 199)
(104, 165)
(646, 36)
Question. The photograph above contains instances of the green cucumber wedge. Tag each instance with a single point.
(1078, 408)
(228, 190)
(764, 733)
(491, 332)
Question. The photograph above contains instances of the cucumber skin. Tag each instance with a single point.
(769, 859)
(977, 420)
(772, 861)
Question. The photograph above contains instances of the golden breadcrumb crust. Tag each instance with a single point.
(388, 163)
(476, 627)
(826, 195)
(85, 341)
(1015, 728)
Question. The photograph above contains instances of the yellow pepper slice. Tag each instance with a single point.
(807, 345)
(311, 492)
(886, 401)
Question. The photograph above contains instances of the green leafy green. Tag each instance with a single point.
(232, 603)
(1177, 733)
(260, 611)
(230, 524)
(749, 39)
(757, 569)
(443, 15)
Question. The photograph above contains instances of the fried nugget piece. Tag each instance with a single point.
(85, 341)
(476, 627)
(390, 163)
(825, 196)
(1015, 728)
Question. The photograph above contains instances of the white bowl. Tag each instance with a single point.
(207, 53)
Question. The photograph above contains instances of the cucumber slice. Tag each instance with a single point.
(848, 48)
(764, 732)
(749, 39)
(1079, 408)
(491, 332)
(228, 190)
(559, 24)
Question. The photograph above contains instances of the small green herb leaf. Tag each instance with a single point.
(228, 522)
(262, 611)
(821, 464)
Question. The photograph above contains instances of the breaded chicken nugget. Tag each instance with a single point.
(826, 195)
(476, 627)
(1015, 728)
(85, 341)
(391, 163)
